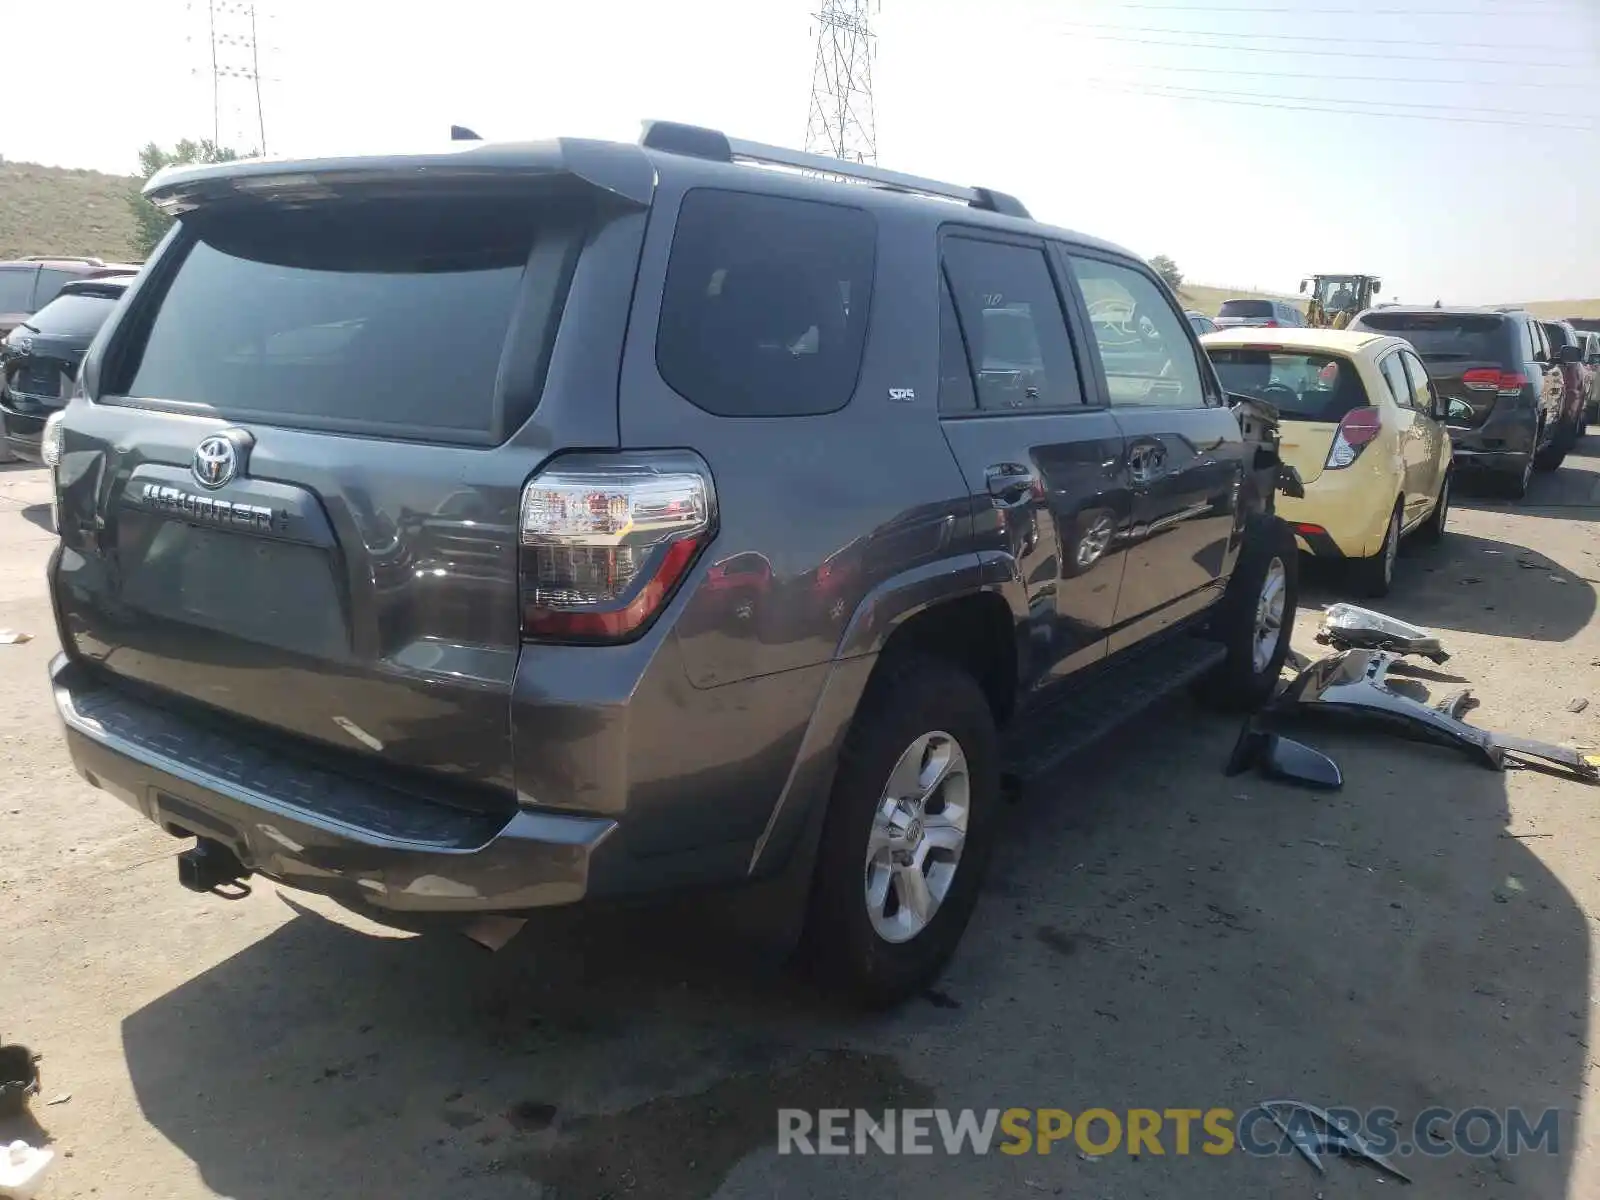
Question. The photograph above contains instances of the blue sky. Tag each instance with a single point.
(1090, 111)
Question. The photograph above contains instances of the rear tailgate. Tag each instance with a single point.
(292, 501)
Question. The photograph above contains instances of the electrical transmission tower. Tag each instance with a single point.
(232, 58)
(842, 123)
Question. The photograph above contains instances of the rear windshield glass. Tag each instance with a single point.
(73, 316)
(16, 290)
(1303, 387)
(765, 309)
(1443, 337)
(1245, 308)
(388, 316)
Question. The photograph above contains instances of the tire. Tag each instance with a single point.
(1553, 455)
(1432, 530)
(1246, 679)
(879, 956)
(1374, 576)
(1514, 485)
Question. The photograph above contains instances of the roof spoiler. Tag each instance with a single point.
(695, 141)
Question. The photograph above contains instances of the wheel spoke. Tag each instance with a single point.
(912, 886)
(878, 880)
(905, 781)
(940, 836)
(937, 772)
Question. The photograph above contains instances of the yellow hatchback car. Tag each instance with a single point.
(1364, 426)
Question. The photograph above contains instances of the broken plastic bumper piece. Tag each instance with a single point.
(1353, 684)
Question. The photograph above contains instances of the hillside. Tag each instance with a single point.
(1208, 299)
(1556, 309)
(52, 210)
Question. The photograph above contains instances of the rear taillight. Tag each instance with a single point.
(1270, 325)
(605, 542)
(50, 440)
(1487, 379)
(1360, 426)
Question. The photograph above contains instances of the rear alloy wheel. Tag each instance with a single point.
(1432, 530)
(1375, 575)
(908, 831)
(1515, 483)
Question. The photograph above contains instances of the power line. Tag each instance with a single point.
(1453, 58)
(1208, 9)
(1382, 105)
(1221, 98)
(1306, 37)
(1524, 83)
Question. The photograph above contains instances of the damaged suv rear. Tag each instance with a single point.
(519, 525)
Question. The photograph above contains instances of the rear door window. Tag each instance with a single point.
(1394, 374)
(51, 281)
(1145, 349)
(1421, 390)
(1011, 317)
(16, 289)
(383, 316)
(765, 308)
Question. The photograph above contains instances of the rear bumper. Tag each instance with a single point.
(1502, 443)
(22, 433)
(360, 843)
(1343, 515)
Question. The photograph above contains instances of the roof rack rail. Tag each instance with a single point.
(695, 141)
(83, 258)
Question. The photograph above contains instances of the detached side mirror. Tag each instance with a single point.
(1570, 354)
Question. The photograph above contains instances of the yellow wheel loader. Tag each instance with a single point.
(1336, 299)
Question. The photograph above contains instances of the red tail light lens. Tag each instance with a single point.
(1359, 427)
(605, 543)
(1487, 379)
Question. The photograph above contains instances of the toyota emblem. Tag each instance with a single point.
(216, 461)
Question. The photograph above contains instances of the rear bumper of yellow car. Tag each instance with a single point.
(1345, 513)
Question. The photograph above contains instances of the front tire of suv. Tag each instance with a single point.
(1255, 617)
(909, 828)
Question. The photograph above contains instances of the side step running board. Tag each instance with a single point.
(1105, 699)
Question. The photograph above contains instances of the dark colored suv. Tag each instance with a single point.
(1263, 314)
(39, 358)
(1503, 381)
(534, 524)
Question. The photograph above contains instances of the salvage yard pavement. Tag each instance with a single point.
(1154, 935)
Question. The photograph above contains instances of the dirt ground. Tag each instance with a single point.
(1154, 935)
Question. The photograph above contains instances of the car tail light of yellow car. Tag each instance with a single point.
(1359, 427)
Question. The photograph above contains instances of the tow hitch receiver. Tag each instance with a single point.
(208, 864)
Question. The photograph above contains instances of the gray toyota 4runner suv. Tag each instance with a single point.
(528, 524)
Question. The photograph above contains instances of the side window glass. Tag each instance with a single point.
(1145, 349)
(1421, 391)
(16, 289)
(1016, 337)
(50, 283)
(955, 375)
(764, 312)
(1395, 376)
(1541, 347)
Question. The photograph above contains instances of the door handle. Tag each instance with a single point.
(1010, 483)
